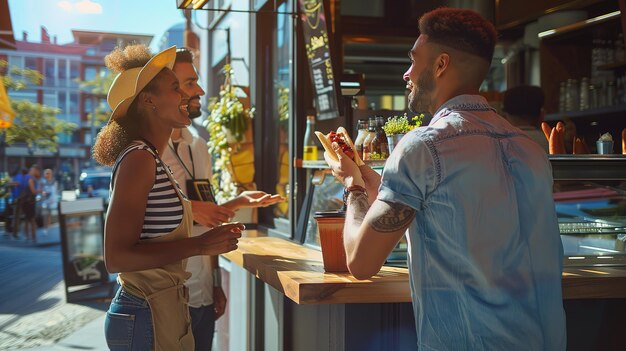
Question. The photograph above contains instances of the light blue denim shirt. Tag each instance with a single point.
(485, 254)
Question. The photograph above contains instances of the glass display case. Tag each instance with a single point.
(590, 200)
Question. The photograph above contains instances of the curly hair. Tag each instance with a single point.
(117, 134)
(464, 30)
(114, 138)
(132, 56)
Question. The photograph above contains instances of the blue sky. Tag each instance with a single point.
(61, 16)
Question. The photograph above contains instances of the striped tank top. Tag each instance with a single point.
(164, 209)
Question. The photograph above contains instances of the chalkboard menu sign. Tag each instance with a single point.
(318, 54)
(82, 230)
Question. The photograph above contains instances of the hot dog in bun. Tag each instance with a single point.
(342, 138)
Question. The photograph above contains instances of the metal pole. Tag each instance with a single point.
(228, 45)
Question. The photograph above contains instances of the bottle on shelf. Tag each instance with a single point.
(379, 147)
(602, 87)
(609, 51)
(597, 59)
(371, 132)
(310, 148)
(610, 93)
(584, 94)
(571, 95)
(360, 138)
(620, 51)
(593, 96)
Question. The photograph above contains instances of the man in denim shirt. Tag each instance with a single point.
(475, 194)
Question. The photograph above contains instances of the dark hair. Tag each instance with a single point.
(183, 55)
(523, 100)
(461, 29)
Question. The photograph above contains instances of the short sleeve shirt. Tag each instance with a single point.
(485, 254)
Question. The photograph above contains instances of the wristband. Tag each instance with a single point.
(217, 278)
(351, 188)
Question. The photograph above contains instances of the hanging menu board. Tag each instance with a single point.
(318, 55)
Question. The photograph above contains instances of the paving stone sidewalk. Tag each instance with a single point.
(33, 309)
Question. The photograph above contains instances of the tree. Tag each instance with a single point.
(98, 87)
(35, 124)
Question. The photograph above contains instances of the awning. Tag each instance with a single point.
(6, 112)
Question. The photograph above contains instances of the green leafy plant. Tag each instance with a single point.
(401, 125)
(377, 156)
(226, 124)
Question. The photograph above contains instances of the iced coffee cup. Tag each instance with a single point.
(330, 231)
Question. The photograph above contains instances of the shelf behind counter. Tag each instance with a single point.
(298, 272)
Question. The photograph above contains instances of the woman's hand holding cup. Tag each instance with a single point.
(219, 240)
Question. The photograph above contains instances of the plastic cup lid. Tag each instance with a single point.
(329, 214)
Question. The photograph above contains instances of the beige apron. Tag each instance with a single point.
(165, 293)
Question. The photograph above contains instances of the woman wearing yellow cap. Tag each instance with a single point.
(149, 219)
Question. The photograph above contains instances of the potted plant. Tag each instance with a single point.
(230, 141)
(397, 126)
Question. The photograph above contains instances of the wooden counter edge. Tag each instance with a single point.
(577, 283)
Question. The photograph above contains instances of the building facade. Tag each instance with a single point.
(63, 66)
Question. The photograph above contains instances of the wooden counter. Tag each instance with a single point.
(298, 272)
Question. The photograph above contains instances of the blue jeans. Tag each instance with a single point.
(203, 326)
(128, 324)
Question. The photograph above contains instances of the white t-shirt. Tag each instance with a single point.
(191, 146)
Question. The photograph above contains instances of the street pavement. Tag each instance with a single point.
(34, 313)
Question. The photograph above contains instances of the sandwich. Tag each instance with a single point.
(342, 138)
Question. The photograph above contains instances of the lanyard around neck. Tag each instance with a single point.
(192, 174)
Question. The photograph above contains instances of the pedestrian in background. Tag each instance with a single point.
(16, 205)
(49, 197)
(28, 199)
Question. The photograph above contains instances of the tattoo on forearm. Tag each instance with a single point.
(358, 205)
(396, 217)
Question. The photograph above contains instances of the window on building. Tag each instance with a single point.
(50, 99)
(108, 44)
(274, 106)
(88, 104)
(64, 138)
(30, 63)
(90, 72)
(49, 71)
(62, 72)
(74, 73)
(74, 108)
(282, 71)
(26, 94)
(62, 102)
(15, 61)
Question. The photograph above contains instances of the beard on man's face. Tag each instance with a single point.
(194, 112)
(420, 97)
